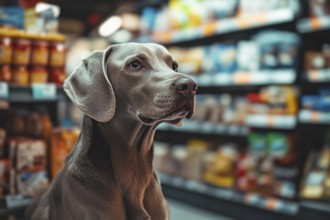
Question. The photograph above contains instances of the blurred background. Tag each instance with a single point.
(258, 146)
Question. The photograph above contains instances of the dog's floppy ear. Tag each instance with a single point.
(90, 89)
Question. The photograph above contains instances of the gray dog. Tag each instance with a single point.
(124, 91)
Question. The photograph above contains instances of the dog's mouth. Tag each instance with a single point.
(175, 116)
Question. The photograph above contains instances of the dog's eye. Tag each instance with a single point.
(135, 65)
(175, 67)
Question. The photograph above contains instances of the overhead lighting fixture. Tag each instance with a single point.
(121, 36)
(44, 7)
(110, 26)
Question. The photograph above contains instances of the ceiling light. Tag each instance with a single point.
(42, 7)
(110, 26)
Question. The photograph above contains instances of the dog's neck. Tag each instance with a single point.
(130, 132)
(112, 145)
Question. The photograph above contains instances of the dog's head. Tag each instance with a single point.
(139, 79)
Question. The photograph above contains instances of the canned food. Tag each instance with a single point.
(5, 73)
(22, 49)
(6, 45)
(38, 74)
(57, 75)
(57, 51)
(40, 50)
(20, 75)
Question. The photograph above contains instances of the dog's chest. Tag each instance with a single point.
(135, 174)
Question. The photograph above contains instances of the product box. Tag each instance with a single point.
(220, 167)
(30, 183)
(162, 156)
(246, 172)
(278, 49)
(257, 144)
(225, 58)
(248, 56)
(31, 155)
(12, 17)
(62, 142)
(316, 177)
(2, 141)
(4, 177)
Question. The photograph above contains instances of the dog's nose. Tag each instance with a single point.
(185, 86)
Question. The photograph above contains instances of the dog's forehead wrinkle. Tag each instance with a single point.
(159, 51)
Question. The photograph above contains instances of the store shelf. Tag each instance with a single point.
(14, 205)
(25, 94)
(313, 117)
(222, 197)
(318, 76)
(222, 26)
(17, 211)
(264, 77)
(316, 207)
(271, 121)
(308, 25)
(207, 128)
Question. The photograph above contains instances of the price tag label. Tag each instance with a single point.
(271, 203)
(164, 178)
(209, 29)
(207, 127)
(44, 91)
(4, 91)
(17, 201)
(315, 116)
(164, 37)
(196, 186)
(243, 22)
(224, 193)
(314, 76)
(251, 199)
(315, 23)
(242, 78)
(270, 121)
(178, 182)
(233, 129)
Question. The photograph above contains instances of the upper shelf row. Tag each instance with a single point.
(237, 24)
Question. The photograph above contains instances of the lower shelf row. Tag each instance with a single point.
(251, 199)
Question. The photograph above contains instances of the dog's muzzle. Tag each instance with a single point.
(187, 88)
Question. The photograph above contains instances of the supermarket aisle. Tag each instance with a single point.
(182, 211)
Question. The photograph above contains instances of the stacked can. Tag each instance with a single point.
(31, 58)
(6, 54)
(57, 59)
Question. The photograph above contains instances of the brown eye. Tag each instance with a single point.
(175, 67)
(135, 65)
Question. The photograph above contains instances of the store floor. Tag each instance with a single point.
(182, 211)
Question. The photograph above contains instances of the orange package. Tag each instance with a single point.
(62, 142)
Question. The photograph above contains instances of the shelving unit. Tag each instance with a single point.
(31, 94)
(271, 121)
(315, 208)
(250, 199)
(318, 76)
(241, 205)
(228, 25)
(308, 25)
(38, 94)
(227, 201)
(207, 128)
(285, 76)
(314, 117)
(14, 205)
